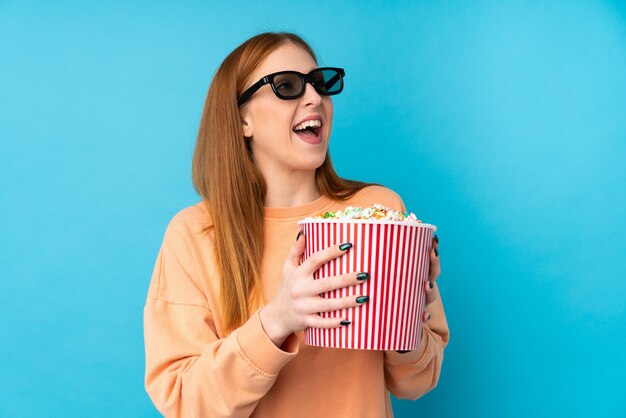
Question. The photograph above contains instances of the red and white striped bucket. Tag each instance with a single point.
(396, 255)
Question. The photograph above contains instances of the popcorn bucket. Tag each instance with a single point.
(396, 255)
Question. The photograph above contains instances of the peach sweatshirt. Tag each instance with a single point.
(194, 369)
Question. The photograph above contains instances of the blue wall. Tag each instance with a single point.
(504, 123)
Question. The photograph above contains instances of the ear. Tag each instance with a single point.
(246, 124)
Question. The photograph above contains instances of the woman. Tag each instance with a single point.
(229, 298)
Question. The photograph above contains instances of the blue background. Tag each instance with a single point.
(504, 123)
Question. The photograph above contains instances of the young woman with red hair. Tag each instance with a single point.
(229, 298)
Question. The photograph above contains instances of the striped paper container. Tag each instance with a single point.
(396, 255)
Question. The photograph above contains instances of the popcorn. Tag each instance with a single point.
(394, 247)
(375, 212)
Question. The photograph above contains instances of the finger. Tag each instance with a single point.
(426, 317)
(338, 282)
(316, 321)
(322, 304)
(435, 265)
(431, 292)
(297, 250)
(318, 259)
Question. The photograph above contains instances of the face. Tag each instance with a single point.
(270, 123)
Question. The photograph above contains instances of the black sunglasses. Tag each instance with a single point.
(289, 85)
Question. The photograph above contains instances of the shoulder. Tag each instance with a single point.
(195, 215)
(184, 263)
(191, 220)
(377, 194)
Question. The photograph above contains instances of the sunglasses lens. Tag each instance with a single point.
(328, 81)
(288, 85)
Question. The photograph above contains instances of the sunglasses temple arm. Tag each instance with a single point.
(251, 90)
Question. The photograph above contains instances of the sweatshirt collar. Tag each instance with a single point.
(298, 212)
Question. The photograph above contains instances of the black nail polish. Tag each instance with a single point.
(436, 238)
(430, 284)
(345, 322)
(436, 252)
(346, 246)
(362, 299)
(362, 276)
(299, 235)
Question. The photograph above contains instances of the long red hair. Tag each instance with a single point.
(227, 179)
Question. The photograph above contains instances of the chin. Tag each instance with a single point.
(312, 163)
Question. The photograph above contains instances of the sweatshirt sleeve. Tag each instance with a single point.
(190, 371)
(411, 375)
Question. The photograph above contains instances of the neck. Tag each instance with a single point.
(296, 189)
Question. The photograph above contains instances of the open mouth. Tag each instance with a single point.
(309, 130)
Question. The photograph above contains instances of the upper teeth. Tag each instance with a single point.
(313, 123)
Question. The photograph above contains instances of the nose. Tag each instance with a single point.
(311, 97)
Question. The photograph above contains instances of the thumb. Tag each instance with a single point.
(297, 250)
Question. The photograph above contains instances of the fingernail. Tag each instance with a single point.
(436, 252)
(436, 238)
(362, 276)
(362, 299)
(346, 246)
(430, 284)
(345, 322)
(299, 235)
